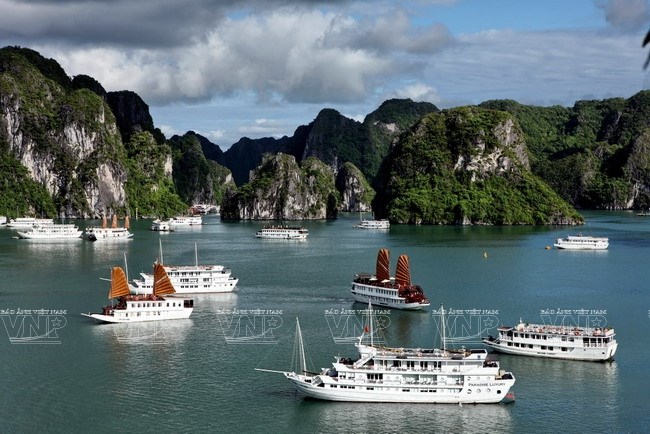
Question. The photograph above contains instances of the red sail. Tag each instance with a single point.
(403, 273)
(119, 284)
(383, 262)
(161, 283)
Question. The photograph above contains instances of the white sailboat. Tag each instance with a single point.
(405, 375)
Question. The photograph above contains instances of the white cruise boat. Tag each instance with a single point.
(28, 222)
(196, 220)
(382, 290)
(580, 242)
(557, 342)
(55, 231)
(190, 279)
(373, 224)
(283, 232)
(161, 226)
(139, 308)
(115, 232)
(3, 220)
(405, 375)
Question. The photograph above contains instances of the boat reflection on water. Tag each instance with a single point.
(556, 388)
(144, 333)
(366, 417)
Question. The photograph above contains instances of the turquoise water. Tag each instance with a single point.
(198, 374)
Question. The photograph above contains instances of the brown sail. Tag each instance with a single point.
(383, 262)
(126, 222)
(161, 283)
(403, 274)
(119, 284)
(104, 224)
(114, 222)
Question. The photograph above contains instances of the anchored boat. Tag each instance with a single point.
(138, 308)
(406, 375)
(383, 290)
(596, 344)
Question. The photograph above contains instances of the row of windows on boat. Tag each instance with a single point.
(377, 376)
(186, 303)
(385, 299)
(469, 391)
(422, 365)
(585, 340)
(388, 288)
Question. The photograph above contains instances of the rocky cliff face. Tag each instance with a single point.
(282, 189)
(67, 140)
(356, 193)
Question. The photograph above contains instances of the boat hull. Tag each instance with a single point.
(402, 393)
(154, 316)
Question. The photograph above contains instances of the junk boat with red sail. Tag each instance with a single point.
(138, 308)
(381, 289)
(103, 232)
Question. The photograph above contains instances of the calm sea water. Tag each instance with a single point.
(198, 374)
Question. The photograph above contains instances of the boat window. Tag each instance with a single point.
(564, 349)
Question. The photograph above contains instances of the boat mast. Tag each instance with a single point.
(372, 343)
(442, 326)
(126, 267)
(196, 256)
(161, 255)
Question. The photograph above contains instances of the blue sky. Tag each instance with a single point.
(257, 68)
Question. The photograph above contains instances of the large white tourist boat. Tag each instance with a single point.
(139, 308)
(580, 242)
(381, 289)
(373, 224)
(557, 342)
(190, 279)
(55, 231)
(196, 220)
(161, 226)
(283, 232)
(405, 375)
(115, 232)
(28, 222)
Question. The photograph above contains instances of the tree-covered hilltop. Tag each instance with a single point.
(594, 154)
(466, 166)
(332, 138)
(283, 189)
(197, 179)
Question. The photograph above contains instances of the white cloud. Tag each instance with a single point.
(626, 14)
(418, 92)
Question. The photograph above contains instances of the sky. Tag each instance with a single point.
(228, 69)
